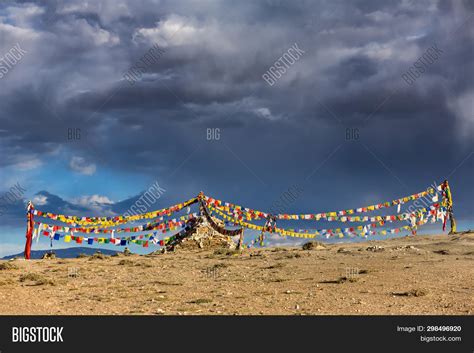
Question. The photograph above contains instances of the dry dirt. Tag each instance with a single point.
(410, 275)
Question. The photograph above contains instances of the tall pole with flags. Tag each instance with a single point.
(29, 229)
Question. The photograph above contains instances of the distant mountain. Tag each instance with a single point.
(67, 253)
(13, 213)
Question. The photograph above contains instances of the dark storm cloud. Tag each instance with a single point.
(352, 69)
(210, 75)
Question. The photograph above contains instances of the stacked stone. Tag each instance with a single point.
(204, 237)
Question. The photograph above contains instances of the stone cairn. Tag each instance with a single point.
(202, 236)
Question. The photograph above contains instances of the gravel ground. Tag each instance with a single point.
(410, 275)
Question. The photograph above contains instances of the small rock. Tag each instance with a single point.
(313, 245)
(375, 248)
(410, 293)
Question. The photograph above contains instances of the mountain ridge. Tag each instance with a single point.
(65, 253)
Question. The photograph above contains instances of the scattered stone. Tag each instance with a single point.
(313, 245)
(340, 280)
(410, 293)
(159, 312)
(343, 251)
(441, 252)
(98, 255)
(406, 247)
(375, 248)
(257, 254)
(48, 256)
(293, 255)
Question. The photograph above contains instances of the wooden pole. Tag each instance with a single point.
(450, 210)
(241, 240)
(448, 203)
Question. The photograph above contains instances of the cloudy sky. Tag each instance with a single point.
(344, 122)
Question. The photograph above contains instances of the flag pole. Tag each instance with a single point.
(240, 244)
(29, 229)
(448, 203)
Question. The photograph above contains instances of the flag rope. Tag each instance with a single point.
(235, 214)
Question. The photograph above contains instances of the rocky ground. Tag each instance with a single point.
(410, 275)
